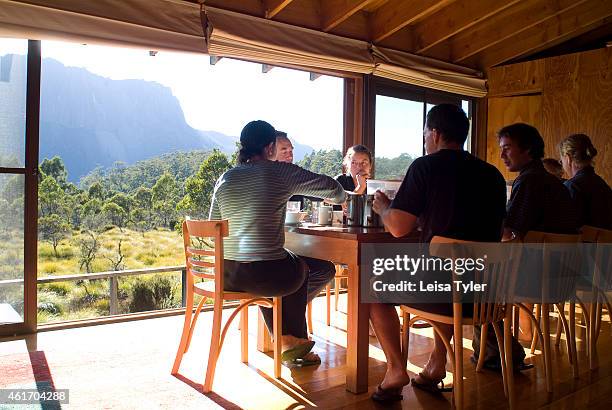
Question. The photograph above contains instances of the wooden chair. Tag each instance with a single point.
(206, 264)
(563, 280)
(341, 273)
(600, 284)
(503, 264)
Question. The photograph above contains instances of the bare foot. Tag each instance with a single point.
(311, 357)
(434, 370)
(289, 342)
(395, 379)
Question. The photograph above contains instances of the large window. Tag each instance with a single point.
(399, 135)
(13, 73)
(130, 143)
(399, 118)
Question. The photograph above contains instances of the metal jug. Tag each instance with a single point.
(370, 218)
(355, 204)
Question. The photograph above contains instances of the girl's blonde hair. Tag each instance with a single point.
(579, 148)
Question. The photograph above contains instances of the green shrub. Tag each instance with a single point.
(45, 250)
(162, 292)
(48, 267)
(102, 306)
(152, 294)
(59, 288)
(65, 251)
(142, 297)
(49, 302)
(86, 293)
(149, 260)
(49, 307)
(43, 316)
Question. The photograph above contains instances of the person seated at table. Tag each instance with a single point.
(320, 272)
(284, 153)
(357, 164)
(452, 194)
(253, 197)
(554, 167)
(538, 200)
(591, 194)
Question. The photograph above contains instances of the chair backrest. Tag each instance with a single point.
(203, 243)
(499, 275)
(602, 255)
(592, 234)
(560, 263)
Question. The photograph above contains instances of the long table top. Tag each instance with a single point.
(357, 233)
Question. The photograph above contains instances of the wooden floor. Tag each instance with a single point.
(127, 365)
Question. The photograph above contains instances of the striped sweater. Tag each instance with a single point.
(253, 197)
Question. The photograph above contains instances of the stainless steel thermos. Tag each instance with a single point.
(360, 212)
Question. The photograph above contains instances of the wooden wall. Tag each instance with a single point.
(558, 95)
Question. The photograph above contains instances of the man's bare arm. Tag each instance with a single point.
(398, 222)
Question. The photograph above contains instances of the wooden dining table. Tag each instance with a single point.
(342, 244)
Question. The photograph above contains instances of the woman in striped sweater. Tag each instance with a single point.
(253, 197)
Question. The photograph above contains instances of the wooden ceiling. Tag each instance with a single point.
(473, 33)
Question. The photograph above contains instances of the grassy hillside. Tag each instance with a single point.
(90, 298)
(151, 249)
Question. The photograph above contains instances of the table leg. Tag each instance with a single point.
(358, 339)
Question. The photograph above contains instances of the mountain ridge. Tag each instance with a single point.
(91, 121)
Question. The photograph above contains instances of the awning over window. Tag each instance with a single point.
(180, 25)
(235, 35)
(427, 72)
(230, 34)
(150, 24)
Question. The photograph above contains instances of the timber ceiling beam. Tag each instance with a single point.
(577, 21)
(501, 27)
(273, 7)
(336, 11)
(394, 15)
(452, 20)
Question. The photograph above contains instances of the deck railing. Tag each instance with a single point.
(113, 277)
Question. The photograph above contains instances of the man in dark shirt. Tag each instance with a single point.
(539, 201)
(451, 193)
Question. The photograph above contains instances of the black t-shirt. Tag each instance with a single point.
(454, 194)
(592, 197)
(346, 181)
(540, 202)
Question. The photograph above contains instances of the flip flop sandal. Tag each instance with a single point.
(386, 396)
(297, 352)
(431, 386)
(302, 361)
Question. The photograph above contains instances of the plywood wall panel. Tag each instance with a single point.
(560, 102)
(595, 114)
(576, 96)
(517, 78)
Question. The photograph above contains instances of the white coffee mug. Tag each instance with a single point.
(325, 215)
